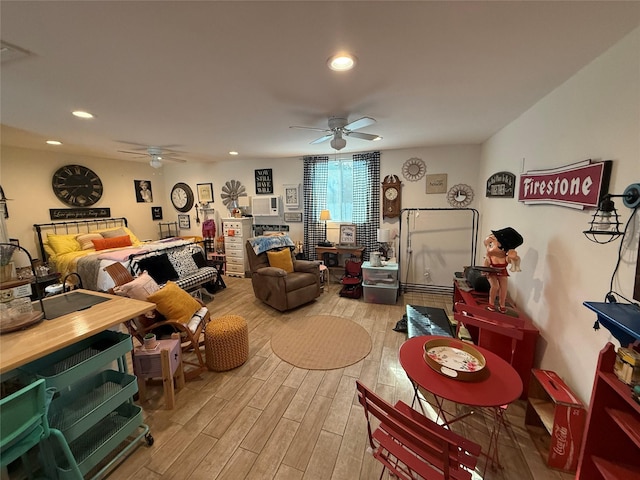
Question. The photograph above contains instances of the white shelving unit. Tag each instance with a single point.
(236, 231)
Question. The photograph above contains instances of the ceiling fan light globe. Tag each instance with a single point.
(338, 143)
(155, 162)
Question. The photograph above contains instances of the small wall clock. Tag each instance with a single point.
(460, 196)
(77, 186)
(391, 196)
(414, 169)
(182, 197)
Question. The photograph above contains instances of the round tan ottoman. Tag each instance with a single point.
(226, 341)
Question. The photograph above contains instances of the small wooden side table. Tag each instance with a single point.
(165, 361)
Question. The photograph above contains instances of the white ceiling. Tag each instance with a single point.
(209, 77)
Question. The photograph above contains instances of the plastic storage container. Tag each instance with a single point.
(381, 294)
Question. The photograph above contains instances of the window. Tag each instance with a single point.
(340, 190)
(350, 189)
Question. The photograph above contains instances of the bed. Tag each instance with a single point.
(85, 247)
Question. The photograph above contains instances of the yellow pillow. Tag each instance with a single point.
(174, 303)
(63, 243)
(281, 259)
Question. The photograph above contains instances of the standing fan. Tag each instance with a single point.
(340, 128)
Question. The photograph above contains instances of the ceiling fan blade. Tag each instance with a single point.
(311, 128)
(360, 123)
(140, 154)
(171, 159)
(322, 139)
(364, 136)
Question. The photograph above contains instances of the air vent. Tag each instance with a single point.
(11, 52)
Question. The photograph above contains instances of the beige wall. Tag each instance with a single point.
(594, 115)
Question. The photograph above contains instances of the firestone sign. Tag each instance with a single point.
(579, 185)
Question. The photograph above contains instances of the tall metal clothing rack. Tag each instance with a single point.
(473, 241)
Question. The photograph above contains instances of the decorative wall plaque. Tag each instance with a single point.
(437, 183)
(264, 181)
(501, 184)
(78, 213)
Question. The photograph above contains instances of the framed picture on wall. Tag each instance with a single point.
(205, 192)
(156, 213)
(184, 222)
(293, 216)
(347, 234)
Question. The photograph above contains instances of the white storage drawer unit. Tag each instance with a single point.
(236, 232)
(380, 284)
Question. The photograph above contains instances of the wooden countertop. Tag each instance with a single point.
(24, 346)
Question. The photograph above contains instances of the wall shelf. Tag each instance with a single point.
(621, 319)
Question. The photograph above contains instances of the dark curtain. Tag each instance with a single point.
(315, 168)
(366, 200)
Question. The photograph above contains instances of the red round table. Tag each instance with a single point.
(500, 387)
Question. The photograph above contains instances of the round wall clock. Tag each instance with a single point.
(414, 169)
(460, 196)
(391, 196)
(77, 186)
(182, 197)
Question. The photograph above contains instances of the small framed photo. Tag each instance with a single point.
(293, 217)
(291, 196)
(156, 213)
(205, 192)
(347, 234)
(184, 222)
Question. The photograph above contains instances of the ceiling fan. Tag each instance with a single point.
(156, 155)
(340, 128)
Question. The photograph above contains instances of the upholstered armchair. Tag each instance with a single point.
(277, 287)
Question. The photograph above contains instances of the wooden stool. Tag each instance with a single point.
(226, 342)
(165, 361)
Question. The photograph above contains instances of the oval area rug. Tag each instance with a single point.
(321, 342)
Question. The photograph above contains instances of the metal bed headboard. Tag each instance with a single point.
(76, 226)
(475, 223)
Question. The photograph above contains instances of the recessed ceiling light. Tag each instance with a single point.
(233, 153)
(54, 142)
(342, 62)
(82, 114)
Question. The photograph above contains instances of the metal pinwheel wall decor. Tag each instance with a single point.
(414, 169)
(231, 191)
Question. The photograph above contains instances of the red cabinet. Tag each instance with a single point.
(511, 335)
(611, 445)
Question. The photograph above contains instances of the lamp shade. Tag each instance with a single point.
(325, 215)
(384, 235)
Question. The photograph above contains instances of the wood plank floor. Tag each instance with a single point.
(270, 420)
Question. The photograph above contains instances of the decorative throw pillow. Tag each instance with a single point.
(86, 240)
(134, 239)
(198, 257)
(139, 288)
(159, 267)
(174, 303)
(281, 259)
(115, 242)
(63, 243)
(118, 232)
(183, 262)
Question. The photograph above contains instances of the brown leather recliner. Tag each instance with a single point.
(279, 289)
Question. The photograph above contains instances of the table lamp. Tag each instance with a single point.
(384, 237)
(324, 216)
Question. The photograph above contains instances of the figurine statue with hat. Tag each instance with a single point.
(501, 245)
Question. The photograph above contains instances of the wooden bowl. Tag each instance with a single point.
(455, 359)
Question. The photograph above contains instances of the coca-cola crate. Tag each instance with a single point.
(555, 419)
